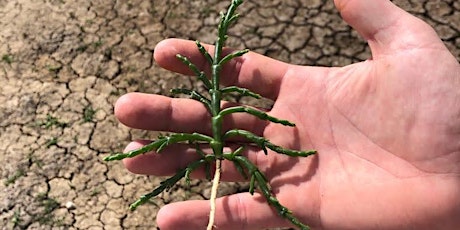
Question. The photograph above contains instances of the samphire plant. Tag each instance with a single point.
(219, 137)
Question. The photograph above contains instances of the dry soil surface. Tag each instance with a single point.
(64, 64)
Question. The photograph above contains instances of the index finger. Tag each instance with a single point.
(256, 72)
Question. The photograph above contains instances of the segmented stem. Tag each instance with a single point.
(241, 91)
(168, 183)
(161, 143)
(255, 112)
(217, 144)
(264, 143)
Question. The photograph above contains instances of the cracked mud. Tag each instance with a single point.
(64, 63)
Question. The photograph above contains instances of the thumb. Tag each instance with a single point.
(387, 28)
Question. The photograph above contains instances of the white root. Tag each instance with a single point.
(212, 200)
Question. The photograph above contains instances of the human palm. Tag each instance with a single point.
(386, 131)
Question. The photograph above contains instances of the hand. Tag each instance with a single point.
(387, 132)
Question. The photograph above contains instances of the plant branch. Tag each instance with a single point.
(160, 144)
(232, 56)
(200, 74)
(205, 53)
(241, 91)
(255, 112)
(264, 143)
(168, 183)
(194, 95)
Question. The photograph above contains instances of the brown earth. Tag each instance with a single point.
(64, 63)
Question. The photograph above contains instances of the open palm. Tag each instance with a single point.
(387, 132)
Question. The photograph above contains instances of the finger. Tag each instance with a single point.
(160, 113)
(177, 157)
(238, 211)
(387, 28)
(261, 74)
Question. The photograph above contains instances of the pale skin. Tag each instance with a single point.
(387, 132)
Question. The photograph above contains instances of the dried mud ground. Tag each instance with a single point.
(64, 64)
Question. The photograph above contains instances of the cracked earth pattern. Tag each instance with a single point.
(64, 63)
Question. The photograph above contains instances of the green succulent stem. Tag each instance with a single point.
(232, 56)
(241, 91)
(194, 95)
(255, 112)
(168, 183)
(204, 52)
(200, 74)
(160, 144)
(264, 143)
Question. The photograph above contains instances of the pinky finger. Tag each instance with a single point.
(238, 211)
